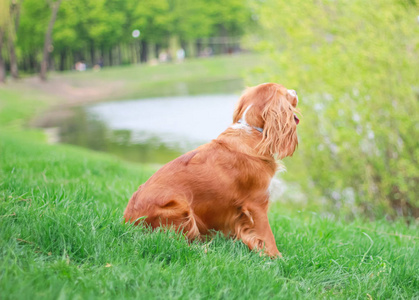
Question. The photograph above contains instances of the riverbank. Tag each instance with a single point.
(221, 74)
(62, 235)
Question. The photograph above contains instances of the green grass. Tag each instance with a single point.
(18, 106)
(62, 236)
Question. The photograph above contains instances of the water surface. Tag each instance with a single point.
(153, 130)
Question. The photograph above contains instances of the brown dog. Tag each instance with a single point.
(223, 185)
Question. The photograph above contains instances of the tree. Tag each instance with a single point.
(55, 5)
(66, 34)
(4, 19)
(30, 34)
(2, 65)
(153, 19)
(12, 26)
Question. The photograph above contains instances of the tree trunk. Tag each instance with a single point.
(190, 49)
(48, 40)
(110, 57)
(2, 66)
(150, 51)
(92, 54)
(51, 63)
(157, 50)
(119, 55)
(25, 63)
(62, 60)
(32, 63)
(102, 56)
(137, 51)
(173, 47)
(198, 47)
(13, 26)
(14, 71)
(144, 51)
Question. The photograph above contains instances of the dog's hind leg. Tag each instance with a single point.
(176, 214)
(167, 211)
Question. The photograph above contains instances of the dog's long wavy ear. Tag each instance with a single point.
(279, 130)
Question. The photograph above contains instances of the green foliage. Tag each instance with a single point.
(85, 26)
(356, 68)
(192, 19)
(32, 26)
(197, 19)
(153, 18)
(233, 16)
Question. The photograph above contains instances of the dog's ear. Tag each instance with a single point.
(242, 104)
(239, 110)
(280, 129)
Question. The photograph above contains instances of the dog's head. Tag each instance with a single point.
(273, 108)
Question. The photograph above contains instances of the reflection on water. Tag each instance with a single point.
(150, 130)
(180, 122)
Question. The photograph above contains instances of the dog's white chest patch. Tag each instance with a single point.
(240, 126)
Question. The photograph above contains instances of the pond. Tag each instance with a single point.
(154, 130)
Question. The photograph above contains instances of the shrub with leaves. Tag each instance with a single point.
(355, 66)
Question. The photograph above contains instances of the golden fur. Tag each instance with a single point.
(223, 185)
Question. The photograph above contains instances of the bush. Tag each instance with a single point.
(355, 66)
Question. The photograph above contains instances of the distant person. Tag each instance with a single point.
(206, 52)
(180, 55)
(80, 66)
(163, 57)
(83, 66)
(99, 65)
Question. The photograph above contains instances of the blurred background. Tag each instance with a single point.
(148, 80)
